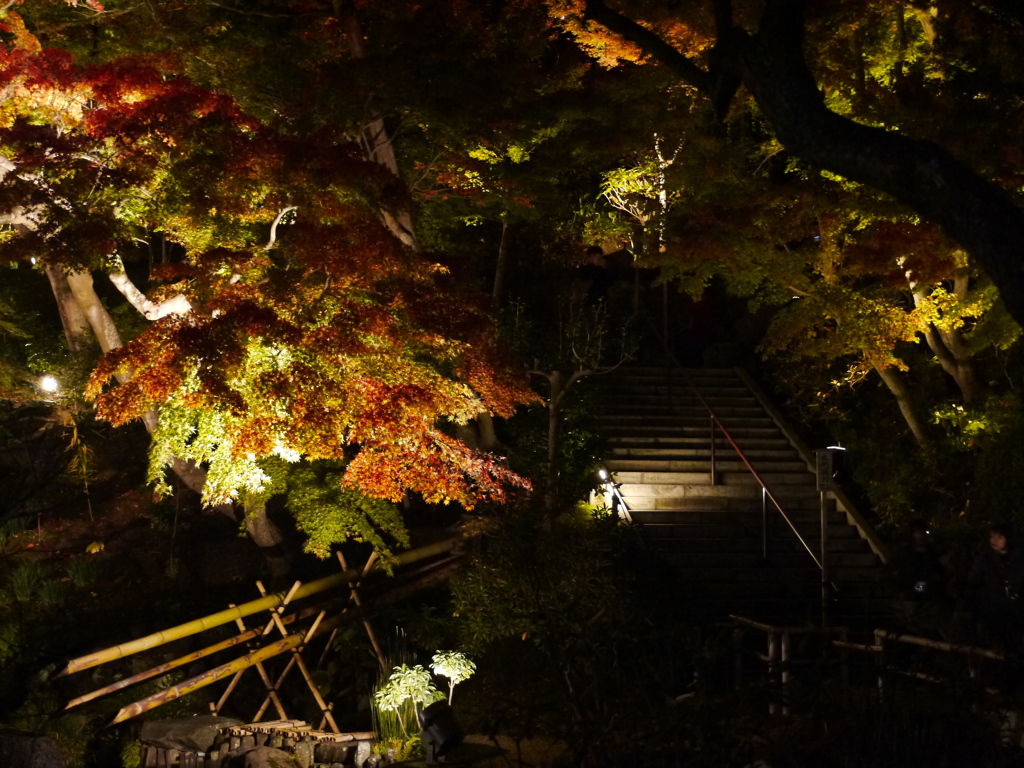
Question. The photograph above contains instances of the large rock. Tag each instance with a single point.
(261, 757)
(191, 734)
(22, 750)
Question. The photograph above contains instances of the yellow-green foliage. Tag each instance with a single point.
(131, 754)
(328, 513)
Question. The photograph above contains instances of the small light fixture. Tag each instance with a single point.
(49, 384)
(834, 448)
(602, 474)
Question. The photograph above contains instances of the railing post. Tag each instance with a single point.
(844, 660)
(824, 560)
(713, 482)
(764, 522)
(773, 670)
(823, 473)
(879, 641)
(737, 649)
(785, 674)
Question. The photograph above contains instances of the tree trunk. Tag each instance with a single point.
(488, 438)
(100, 321)
(556, 389)
(901, 392)
(377, 142)
(959, 366)
(76, 325)
(268, 538)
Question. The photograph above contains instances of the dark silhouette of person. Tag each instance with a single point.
(994, 598)
(922, 603)
(994, 586)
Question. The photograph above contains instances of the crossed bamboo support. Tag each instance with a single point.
(435, 572)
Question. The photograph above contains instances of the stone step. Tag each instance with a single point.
(659, 496)
(640, 412)
(710, 535)
(679, 439)
(734, 561)
(700, 463)
(692, 449)
(685, 539)
(742, 476)
(689, 420)
(735, 579)
(641, 400)
(652, 371)
(729, 520)
(695, 465)
(745, 516)
(742, 435)
(740, 503)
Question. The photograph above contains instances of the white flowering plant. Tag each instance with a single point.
(454, 666)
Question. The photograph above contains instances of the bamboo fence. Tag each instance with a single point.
(427, 575)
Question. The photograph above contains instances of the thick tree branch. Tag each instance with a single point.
(652, 44)
(176, 305)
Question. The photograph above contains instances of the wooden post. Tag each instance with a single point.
(354, 587)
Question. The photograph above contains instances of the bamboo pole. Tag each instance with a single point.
(274, 687)
(354, 587)
(161, 669)
(246, 609)
(939, 645)
(275, 619)
(206, 678)
(283, 646)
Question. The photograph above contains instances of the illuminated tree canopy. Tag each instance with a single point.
(300, 321)
(318, 168)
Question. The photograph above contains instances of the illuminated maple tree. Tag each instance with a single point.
(297, 324)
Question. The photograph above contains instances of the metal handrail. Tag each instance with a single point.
(716, 421)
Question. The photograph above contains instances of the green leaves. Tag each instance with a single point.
(407, 684)
(329, 514)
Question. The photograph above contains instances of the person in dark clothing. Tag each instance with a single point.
(994, 590)
(994, 599)
(921, 604)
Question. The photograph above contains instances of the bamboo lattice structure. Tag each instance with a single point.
(344, 607)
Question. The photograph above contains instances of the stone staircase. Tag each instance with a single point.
(711, 533)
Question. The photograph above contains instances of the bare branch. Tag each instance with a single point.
(273, 227)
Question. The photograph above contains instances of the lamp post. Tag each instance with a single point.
(825, 482)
